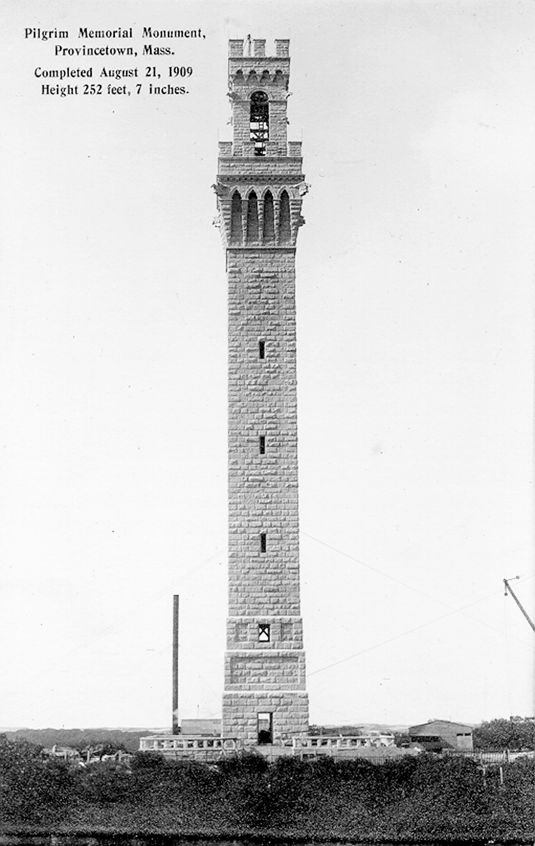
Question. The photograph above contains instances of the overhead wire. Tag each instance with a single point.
(350, 557)
(401, 634)
(408, 586)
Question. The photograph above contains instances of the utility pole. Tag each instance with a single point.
(509, 589)
(175, 728)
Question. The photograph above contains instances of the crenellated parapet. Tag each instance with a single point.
(249, 67)
(290, 151)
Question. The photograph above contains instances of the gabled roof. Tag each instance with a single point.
(433, 727)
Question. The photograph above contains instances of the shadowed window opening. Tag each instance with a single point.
(261, 349)
(269, 218)
(265, 728)
(252, 217)
(264, 632)
(259, 123)
(284, 219)
(263, 542)
(235, 218)
(262, 444)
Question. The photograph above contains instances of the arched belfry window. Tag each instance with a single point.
(269, 218)
(252, 217)
(235, 218)
(285, 231)
(259, 122)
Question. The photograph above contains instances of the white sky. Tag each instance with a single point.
(415, 356)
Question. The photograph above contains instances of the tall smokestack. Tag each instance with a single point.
(175, 729)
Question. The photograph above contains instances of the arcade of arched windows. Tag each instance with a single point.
(264, 220)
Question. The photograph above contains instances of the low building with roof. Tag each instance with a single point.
(442, 735)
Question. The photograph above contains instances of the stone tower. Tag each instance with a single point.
(259, 190)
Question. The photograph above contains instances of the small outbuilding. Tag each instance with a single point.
(439, 735)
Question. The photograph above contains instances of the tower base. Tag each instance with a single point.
(263, 717)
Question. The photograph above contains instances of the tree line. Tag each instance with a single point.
(80, 739)
(516, 734)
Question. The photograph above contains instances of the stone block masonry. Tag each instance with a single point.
(241, 709)
(262, 402)
(259, 192)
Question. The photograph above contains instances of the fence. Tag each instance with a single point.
(200, 748)
(488, 757)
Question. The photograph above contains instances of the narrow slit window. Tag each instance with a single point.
(285, 232)
(236, 219)
(263, 542)
(252, 217)
(264, 633)
(262, 444)
(269, 218)
(261, 349)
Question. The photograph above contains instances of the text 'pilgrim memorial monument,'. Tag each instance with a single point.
(259, 189)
